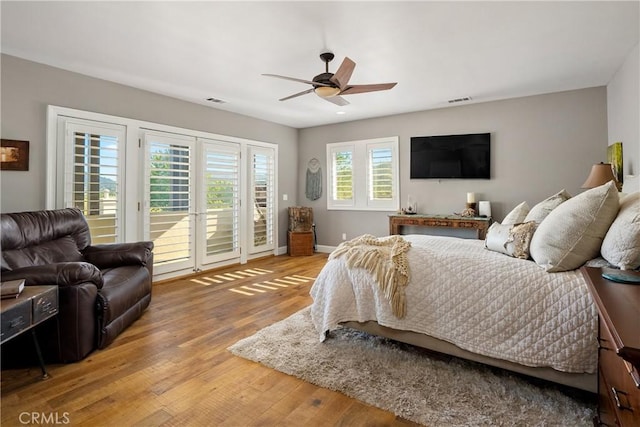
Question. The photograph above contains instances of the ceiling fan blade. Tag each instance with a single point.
(304, 92)
(350, 90)
(296, 80)
(342, 76)
(337, 100)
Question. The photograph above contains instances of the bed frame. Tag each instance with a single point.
(588, 382)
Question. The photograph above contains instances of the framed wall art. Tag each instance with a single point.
(614, 156)
(14, 155)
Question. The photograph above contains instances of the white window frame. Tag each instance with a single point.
(361, 166)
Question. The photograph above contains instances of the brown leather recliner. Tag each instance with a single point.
(102, 289)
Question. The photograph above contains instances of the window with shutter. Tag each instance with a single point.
(92, 176)
(363, 175)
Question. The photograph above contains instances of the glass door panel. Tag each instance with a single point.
(219, 215)
(169, 217)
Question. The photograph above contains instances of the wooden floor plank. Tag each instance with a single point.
(172, 367)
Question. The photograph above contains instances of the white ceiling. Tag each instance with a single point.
(436, 51)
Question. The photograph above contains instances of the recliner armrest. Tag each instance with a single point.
(60, 274)
(118, 254)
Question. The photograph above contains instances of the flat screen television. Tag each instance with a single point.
(451, 156)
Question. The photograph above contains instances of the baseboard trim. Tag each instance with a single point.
(325, 249)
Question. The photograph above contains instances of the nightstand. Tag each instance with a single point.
(619, 349)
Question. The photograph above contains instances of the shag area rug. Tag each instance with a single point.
(411, 382)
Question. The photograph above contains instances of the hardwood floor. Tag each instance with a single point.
(171, 367)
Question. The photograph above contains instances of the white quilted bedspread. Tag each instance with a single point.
(479, 300)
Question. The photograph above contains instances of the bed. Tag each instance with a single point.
(516, 300)
(467, 301)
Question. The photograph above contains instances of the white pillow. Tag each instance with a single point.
(512, 240)
(621, 245)
(517, 214)
(540, 211)
(573, 232)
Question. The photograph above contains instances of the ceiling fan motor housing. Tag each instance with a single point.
(325, 79)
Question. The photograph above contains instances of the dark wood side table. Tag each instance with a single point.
(619, 349)
(33, 306)
(480, 224)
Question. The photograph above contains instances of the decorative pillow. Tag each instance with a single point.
(512, 240)
(573, 232)
(621, 244)
(542, 209)
(517, 214)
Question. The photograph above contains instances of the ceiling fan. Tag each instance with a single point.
(331, 86)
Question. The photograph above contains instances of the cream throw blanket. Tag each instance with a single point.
(386, 259)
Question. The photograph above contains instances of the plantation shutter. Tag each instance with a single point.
(220, 196)
(341, 173)
(93, 165)
(262, 198)
(380, 182)
(169, 216)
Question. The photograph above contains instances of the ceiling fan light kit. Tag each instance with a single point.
(329, 86)
(326, 91)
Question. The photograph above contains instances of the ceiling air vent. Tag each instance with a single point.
(216, 100)
(456, 100)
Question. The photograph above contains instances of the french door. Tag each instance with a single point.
(203, 199)
(193, 210)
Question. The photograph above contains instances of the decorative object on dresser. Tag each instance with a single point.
(619, 352)
(481, 225)
(102, 288)
(300, 238)
(412, 206)
(470, 209)
(484, 208)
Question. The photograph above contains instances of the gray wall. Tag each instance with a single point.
(623, 107)
(28, 87)
(540, 145)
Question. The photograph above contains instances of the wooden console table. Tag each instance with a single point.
(33, 306)
(480, 224)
